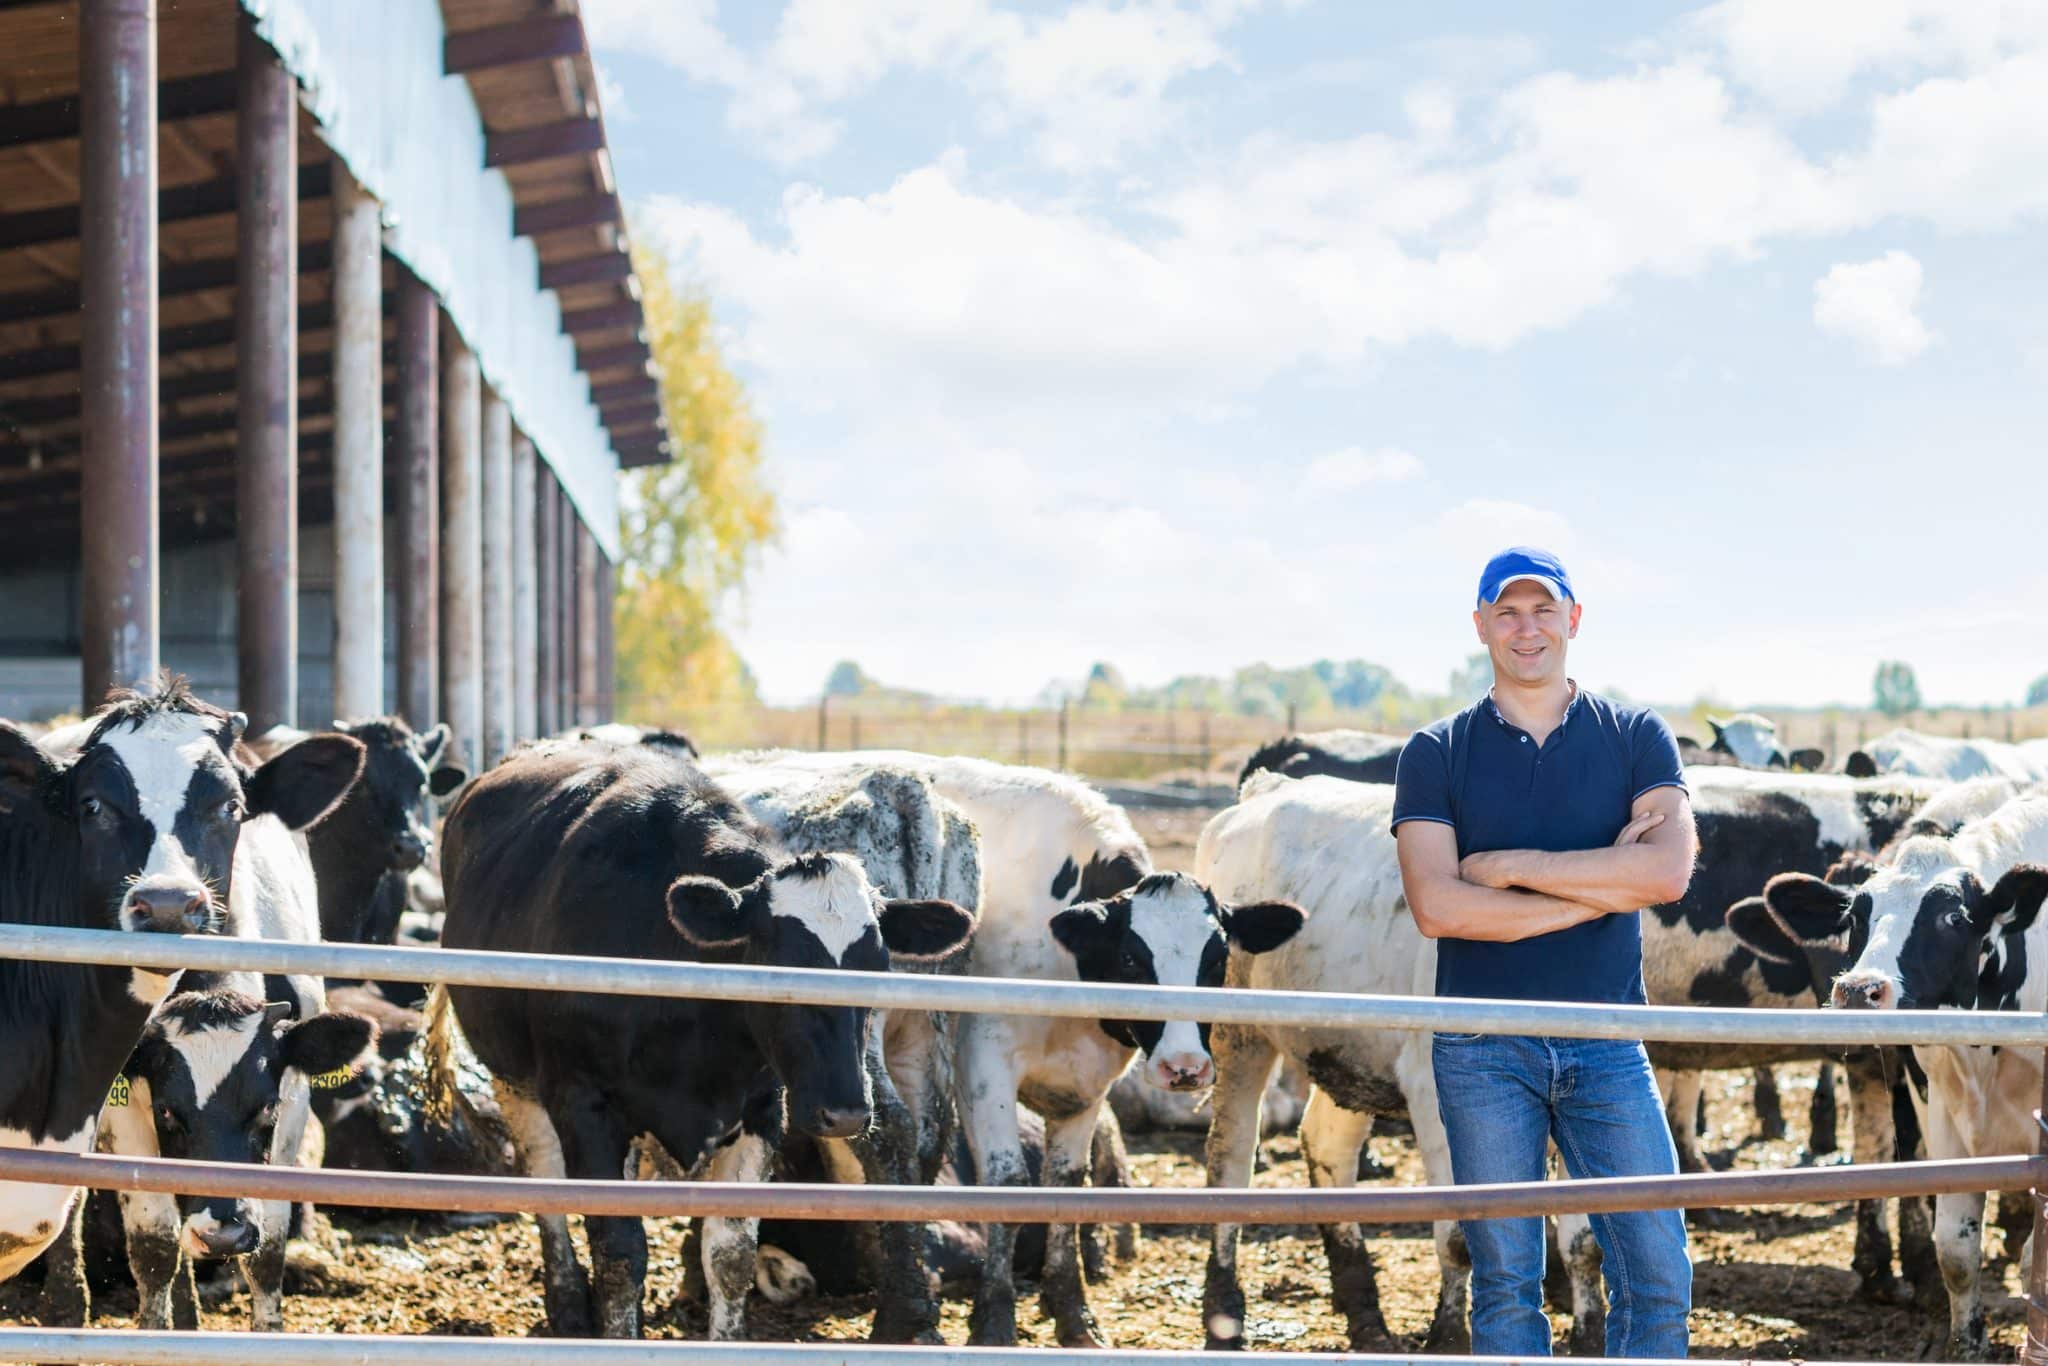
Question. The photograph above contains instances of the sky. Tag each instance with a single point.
(1186, 334)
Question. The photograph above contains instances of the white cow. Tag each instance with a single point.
(1936, 756)
(1950, 923)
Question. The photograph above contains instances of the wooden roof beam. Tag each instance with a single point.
(582, 211)
(188, 97)
(538, 39)
(174, 280)
(570, 137)
(601, 269)
(174, 205)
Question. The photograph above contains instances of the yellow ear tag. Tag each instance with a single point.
(329, 1081)
(117, 1094)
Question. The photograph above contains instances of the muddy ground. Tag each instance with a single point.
(1774, 1285)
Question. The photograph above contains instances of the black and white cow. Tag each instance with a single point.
(585, 848)
(1068, 892)
(137, 826)
(1749, 741)
(1359, 755)
(1938, 756)
(1949, 924)
(384, 829)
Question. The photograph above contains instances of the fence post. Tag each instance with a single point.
(1063, 737)
(1205, 743)
(854, 743)
(1023, 737)
(1293, 719)
(824, 701)
(2034, 1351)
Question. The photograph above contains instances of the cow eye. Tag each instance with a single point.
(167, 1119)
(1956, 920)
(230, 810)
(90, 808)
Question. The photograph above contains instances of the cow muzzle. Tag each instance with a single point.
(1181, 1072)
(828, 1121)
(1866, 991)
(207, 1237)
(168, 908)
(408, 851)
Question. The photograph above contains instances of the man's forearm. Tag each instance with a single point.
(1621, 878)
(1451, 908)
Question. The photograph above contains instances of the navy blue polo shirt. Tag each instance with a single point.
(1491, 782)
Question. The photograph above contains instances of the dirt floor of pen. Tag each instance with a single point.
(1772, 1284)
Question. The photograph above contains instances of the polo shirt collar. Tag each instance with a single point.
(1570, 707)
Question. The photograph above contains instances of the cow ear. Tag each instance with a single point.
(429, 743)
(1852, 869)
(301, 784)
(712, 915)
(921, 931)
(1777, 759)
(1860, 765)
(2016, 900)
(276, 1012)
(1809, 760)
(1809, 910)
(446, 779)
(330, 1042)
(1749, 920)
(1715, 726)
(1080, 930)
(1262, 926)
(26, 773)
(1687, 746)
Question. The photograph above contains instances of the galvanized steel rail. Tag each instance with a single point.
(1005, 996)
(1025, 1204)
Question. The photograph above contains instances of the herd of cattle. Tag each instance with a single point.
(1915, 883)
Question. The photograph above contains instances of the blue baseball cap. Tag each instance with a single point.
(1520, 562)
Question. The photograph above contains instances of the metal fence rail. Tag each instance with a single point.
(996, 995)
(1025, 1204)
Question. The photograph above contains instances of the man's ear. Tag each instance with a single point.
(1572, 633)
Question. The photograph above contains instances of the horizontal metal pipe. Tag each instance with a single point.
(1004, 996)
(1022, 1204)
(302, 1349)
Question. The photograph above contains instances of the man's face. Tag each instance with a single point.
(1525, 630)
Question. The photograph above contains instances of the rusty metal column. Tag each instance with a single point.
(118, 371)
(525, 626)
(565, 545)
(267, 381)
(497, 584)
(587, 700)
(607, 663)
(462, 645)
(358, 449)
(2034, 1351)
(547, 594)
(419, 501)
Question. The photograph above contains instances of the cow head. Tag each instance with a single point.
(1923, 931)
(816, 911)
(156, 796)
(1169, 930)
(207, 1078)
(1751, 739)
(391, 811)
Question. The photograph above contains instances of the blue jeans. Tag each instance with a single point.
(1501, 1099)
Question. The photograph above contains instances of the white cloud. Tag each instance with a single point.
(1354, 467)
(1873, 303)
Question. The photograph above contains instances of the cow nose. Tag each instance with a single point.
(1869, 993)
(168, 910)
(830, 1122)
(408, 852)
(234, 1238)
(1182, 1073)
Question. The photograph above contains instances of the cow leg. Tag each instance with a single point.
(263, 1269)
(1331, 1137)
(67, 1299)
(1109, 1167)
(1069, 1141)
(1770, 1106)
(1244, 1061)
(986, 1091)
(1959, 1244)
(150, 1225)
(595, 1146)
(1823, 1134)
(1449, 1327)
(1683, 1092)
(906, 1310)
(730, 1244)
(1872, 1139)
(566, 1290)
(1579, 1248)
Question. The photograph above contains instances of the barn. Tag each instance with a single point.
(320, 351)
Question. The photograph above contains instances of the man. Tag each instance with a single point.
(1532, 828)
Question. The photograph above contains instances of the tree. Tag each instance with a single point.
(1105, 688)
(848, 679)
(1894, 689)
(1470, 680)
(694, 528)
(2037, 691)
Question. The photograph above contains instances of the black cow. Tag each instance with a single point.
(134, 829)
(584, 848)
(1359, 755)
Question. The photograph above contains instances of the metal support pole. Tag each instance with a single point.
(358, 450)
(267, 380)
(607, 662)
(497, 580)
(525, 594)
(587, 700)
(548, 591)
(419, 501)
(2034, 1351)
(118, 364)
(462, 646)
(565, 542)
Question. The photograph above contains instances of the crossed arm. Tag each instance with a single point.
(1512, 894)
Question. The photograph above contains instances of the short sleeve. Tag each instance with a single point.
(1422, 780)
(1653, 756)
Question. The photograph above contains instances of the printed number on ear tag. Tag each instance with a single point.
(117, 1094)
(329, 1081)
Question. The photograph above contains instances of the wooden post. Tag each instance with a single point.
(824, 703)
(419, 501)
(1064, 706)
(267, 385)
(358, 450)
(525, 594)
(118, 361)
(1206, 756)
(1023, 737)
(547, 593)
(497, 577)
(462, 648)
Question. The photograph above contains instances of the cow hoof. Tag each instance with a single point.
(1085, 1336)
(995, 1326)
(1887, 1290)
(1444, 1339)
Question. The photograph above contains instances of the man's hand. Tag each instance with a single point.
(1496, 867)
(1643, 823)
